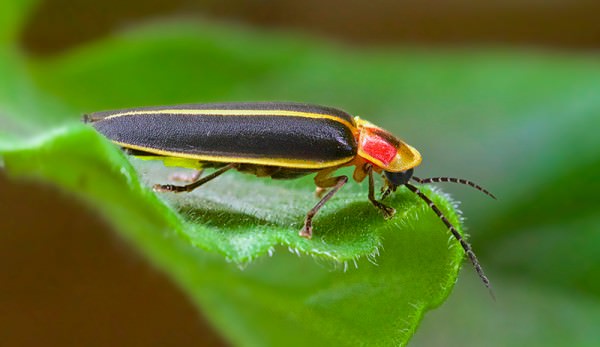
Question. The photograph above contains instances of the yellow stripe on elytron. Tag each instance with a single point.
(216, 112)
(293, 163)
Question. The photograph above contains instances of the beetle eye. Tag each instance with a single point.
(399, 178)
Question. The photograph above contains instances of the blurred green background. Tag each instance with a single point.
(507, 94)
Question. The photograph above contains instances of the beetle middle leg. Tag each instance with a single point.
(194, 185)
(387, 211)
(323, 181)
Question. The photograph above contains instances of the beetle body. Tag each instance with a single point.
(283, 138)
(278, 140)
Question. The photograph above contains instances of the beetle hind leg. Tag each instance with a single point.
(193, 185)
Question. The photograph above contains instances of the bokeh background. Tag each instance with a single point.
(53, 275)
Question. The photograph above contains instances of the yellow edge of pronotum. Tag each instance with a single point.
(293, 163)
(215, 112)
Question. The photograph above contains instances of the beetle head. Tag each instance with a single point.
(401, 178)
(395, 180)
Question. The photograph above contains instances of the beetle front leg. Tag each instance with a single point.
(387, 211)
(336, 183)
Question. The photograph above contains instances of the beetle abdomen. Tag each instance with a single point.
(265, 133)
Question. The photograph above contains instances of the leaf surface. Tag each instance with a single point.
(232, 245)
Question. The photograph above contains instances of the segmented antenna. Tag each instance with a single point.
(465, 245)
(453, 180)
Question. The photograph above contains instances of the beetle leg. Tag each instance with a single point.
(336, 183)
(194, 185)
(387, 211)
(360, 172)
(189, 178)
(324, 181)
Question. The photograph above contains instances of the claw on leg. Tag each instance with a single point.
(165, 188)
(306, 231)
(388, 212)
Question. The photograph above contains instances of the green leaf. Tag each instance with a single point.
(286, 297)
